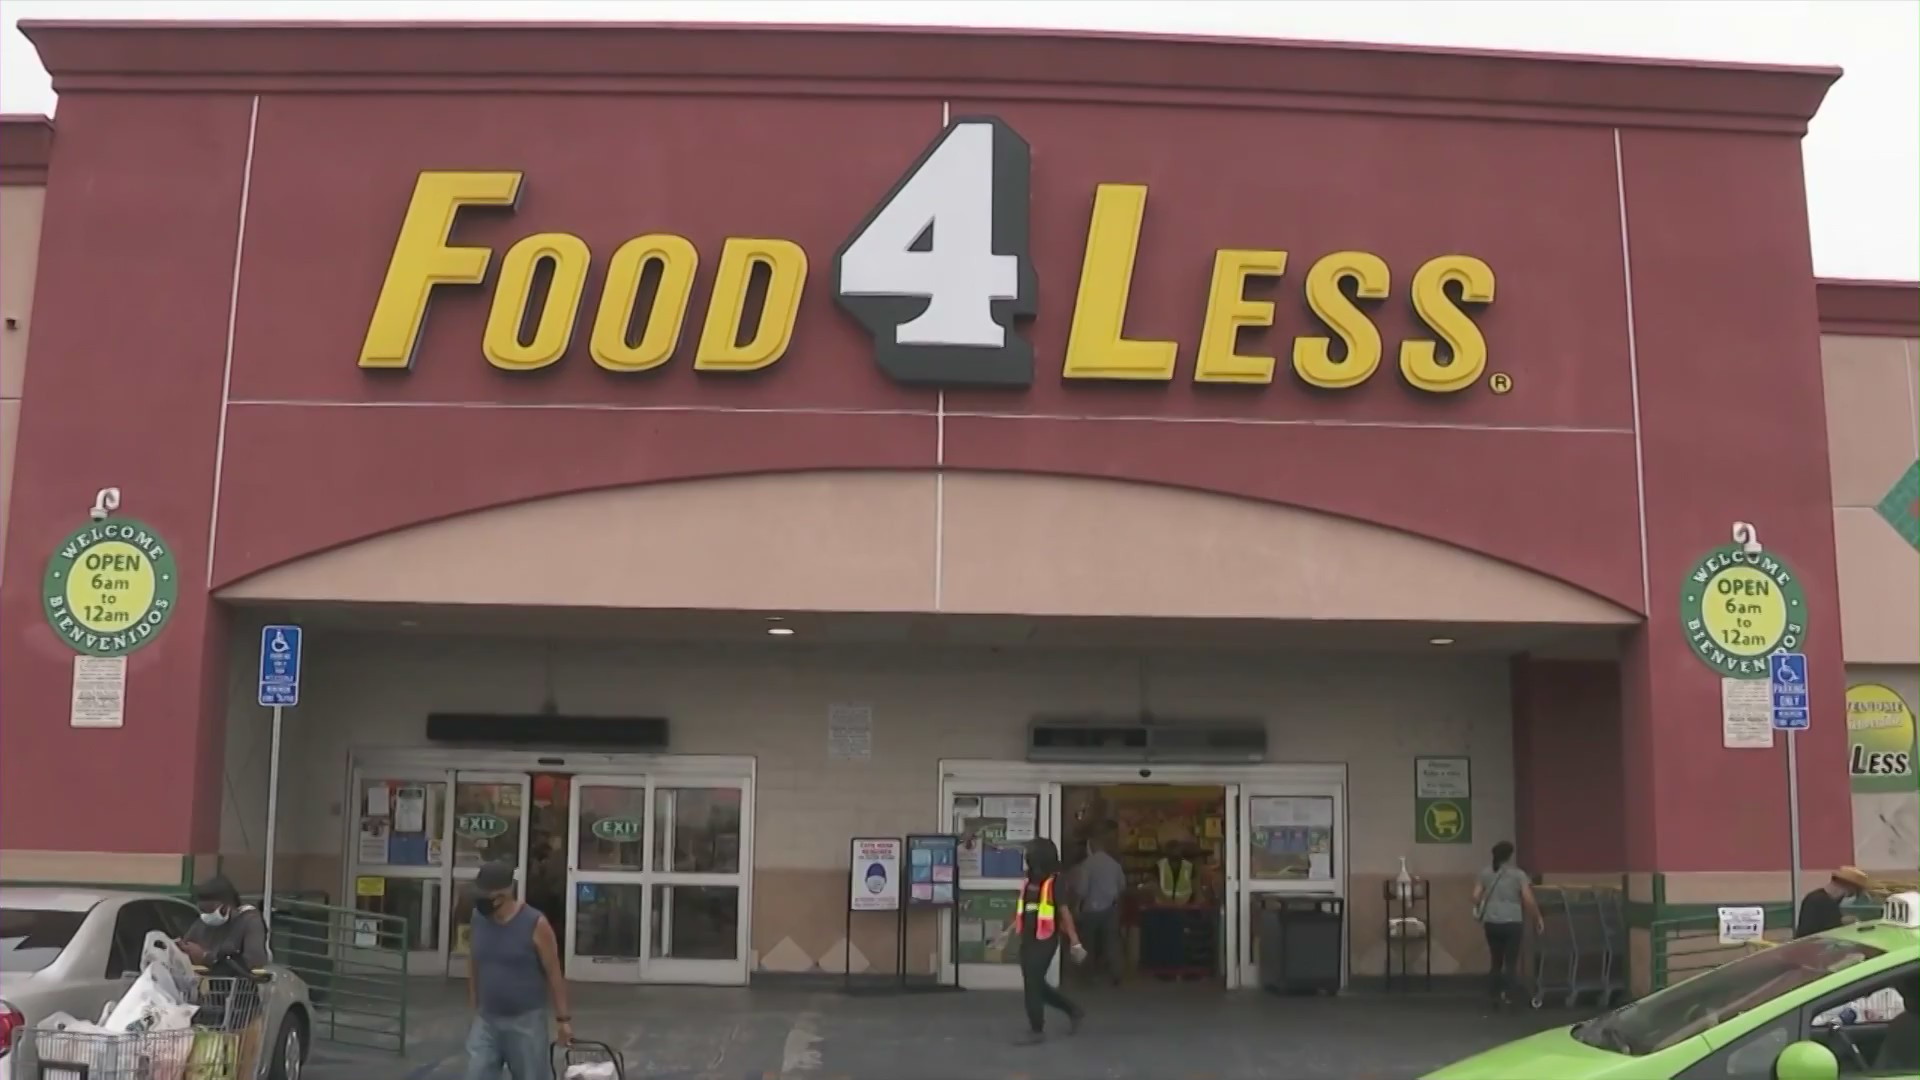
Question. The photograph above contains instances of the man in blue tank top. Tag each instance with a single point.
(515, 984)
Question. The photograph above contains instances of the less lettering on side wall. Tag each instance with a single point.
(1881, 770)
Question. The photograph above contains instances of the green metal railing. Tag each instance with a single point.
(355, 966)
(1686, 945)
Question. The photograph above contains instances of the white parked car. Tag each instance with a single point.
(73, 951)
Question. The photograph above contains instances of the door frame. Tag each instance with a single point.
(429, 960)
(651, 878)
(1046, 825)
(457, 961)
(1242, 781)
(433, 762)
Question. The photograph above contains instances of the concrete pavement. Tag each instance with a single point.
(1148, 1032)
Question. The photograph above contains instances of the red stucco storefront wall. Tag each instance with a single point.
(1655, 311)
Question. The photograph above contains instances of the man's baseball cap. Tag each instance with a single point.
(494, 877)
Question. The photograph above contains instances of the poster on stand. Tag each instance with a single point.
(932, 861)
(875, 877)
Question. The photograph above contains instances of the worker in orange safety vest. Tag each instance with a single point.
(1038, 922)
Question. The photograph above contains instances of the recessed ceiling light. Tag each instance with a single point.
(1440, 641)
(408, 623)
(776, 618)
(780, 631)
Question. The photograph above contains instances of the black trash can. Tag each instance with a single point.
(1301, 942)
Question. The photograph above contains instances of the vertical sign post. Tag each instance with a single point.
(279, 688)
(1792, 712)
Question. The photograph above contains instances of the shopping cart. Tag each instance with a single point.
(222, 1043)
(581, 1060)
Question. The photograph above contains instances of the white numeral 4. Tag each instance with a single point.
(941, 268)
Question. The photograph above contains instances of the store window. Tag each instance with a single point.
(487, 819)
(607, 922)
(401, 824)
(1290, 838)
(697, 830)
(399, 855)
(613, 824)
(696, 922)
(986, 927)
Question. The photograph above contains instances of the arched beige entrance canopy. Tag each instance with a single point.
(964, 543)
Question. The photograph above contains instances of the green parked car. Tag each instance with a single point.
(1840, 1004)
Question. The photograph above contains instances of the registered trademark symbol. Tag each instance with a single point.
(1501, 383)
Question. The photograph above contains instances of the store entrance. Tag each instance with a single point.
(643, 864)
(1260, 833)
(1167, 924)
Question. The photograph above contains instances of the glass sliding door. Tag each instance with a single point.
(606, 898)
(488, 824)
(398, 863)
(994, 820)
(659, 871)
(697, 921)
(1291, 842)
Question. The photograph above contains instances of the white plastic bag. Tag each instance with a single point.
(592, 1070)
(170, 1054)
(160, 950)
(77, 1046)
(140, 1009)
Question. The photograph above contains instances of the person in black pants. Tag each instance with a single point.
(1503, 904)
(1039, 921)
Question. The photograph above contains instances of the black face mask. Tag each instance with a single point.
(486, 905)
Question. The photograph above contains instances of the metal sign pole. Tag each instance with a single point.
(1793, 813)
(1792, 713)
(273, 814)
(279, 688)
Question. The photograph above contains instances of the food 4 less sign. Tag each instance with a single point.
(940, 273)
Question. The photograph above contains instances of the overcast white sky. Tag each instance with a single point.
(1863, 155)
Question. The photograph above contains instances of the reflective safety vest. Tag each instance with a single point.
(1181, 890)
(1042, 910)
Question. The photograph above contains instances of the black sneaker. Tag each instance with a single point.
(1073, 1022)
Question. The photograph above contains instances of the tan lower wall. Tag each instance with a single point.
(96, 868)
(1768, 887)
(292, 873)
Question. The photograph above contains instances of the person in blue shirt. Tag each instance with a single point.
(515, 984)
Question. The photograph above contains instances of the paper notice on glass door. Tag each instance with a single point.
(410, 809)
(373, 843)
(1023, 817)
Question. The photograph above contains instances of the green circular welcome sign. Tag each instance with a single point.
(1740, 607)
(110, 587)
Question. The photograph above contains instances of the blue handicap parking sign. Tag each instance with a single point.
(1791, 711)
(279, 665)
